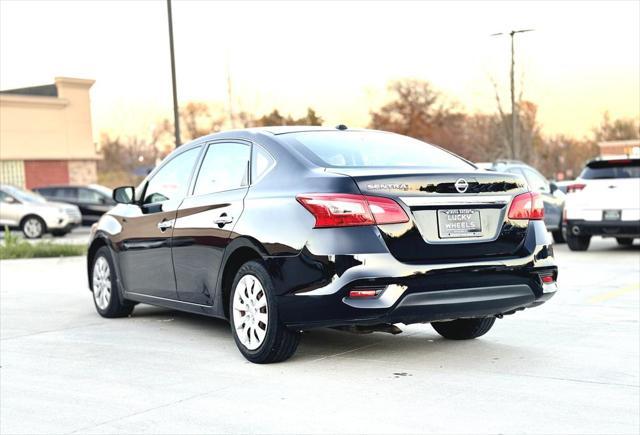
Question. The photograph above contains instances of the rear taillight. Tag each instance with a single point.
(527, 206)
(575, 187)
(348, 210)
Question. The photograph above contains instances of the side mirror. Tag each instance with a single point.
(124, 194)
(10, 200)
(552, 187)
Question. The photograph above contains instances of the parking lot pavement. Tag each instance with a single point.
(77, 236)
(570, 366)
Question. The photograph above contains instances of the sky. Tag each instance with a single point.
(338, 57)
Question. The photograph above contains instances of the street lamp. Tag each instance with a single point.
(515, 143)
(176, 115)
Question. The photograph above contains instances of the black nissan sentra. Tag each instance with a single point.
(285, 229)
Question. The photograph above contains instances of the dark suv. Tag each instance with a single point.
(93, 200)
(282, 230)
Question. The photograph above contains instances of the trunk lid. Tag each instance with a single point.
(453, 215)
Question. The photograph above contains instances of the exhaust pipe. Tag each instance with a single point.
(575, 231)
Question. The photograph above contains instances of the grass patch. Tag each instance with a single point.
(15, 247)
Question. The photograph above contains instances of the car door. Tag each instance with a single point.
(145, 241)
(552, 204)
(92, 204)
(11, 210)
(206, 218)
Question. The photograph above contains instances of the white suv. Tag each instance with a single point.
(34, 215)
(604, 201)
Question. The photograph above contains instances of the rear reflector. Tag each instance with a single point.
(575, 187)
(346, 209)
(363, 293)
(527, 206)
(547, 278)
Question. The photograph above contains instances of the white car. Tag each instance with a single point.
(34, 215)
(604, 201)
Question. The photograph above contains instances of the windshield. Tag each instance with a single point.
(24, 195)
(607, 169)
(370, 149)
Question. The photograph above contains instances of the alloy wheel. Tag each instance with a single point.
(250, 312)
(101, 283)
(33, 228)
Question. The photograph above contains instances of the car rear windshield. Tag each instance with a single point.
(370, 149)
(604, 169)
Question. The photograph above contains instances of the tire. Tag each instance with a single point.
(624, 241)
(59, 233)
(558, 236)
(578, 243)
(464, 329)
(106, 296)
(252, 303)
(33, 227)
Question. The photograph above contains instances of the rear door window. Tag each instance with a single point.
(224, 167)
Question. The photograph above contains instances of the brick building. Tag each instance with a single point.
(629, 147)
(45, 134)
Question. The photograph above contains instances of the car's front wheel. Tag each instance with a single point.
(624, 241)
(106, 297)
(578, 243)
(33, 227)
(464, 329)
(253, 314)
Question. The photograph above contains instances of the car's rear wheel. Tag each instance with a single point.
(253, 314)
(464, 329)
(624, 241)
(578, 243)
(33, 227)
(106, 297)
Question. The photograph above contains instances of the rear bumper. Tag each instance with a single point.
(423, 293)
(604, 228)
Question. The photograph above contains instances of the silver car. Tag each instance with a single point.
(34, 215)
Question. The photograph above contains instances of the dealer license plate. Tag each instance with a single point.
(457, 223)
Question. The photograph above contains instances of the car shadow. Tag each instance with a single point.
(324, 343)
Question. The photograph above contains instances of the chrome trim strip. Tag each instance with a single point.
(549, 288)
(412, 201)
(167, 299)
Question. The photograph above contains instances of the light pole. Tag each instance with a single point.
(515, 142)
(176, 115)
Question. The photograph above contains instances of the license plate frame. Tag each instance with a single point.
(611, 215)
(459, 223)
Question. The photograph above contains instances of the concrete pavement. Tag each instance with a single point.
(569, 366)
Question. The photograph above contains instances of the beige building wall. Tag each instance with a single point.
(42, 128)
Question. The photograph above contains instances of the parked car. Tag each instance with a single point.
(92, 200)
(282, 230)
(604, 201)
(552, 195)
(34, 215)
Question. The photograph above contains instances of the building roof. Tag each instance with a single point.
(37, 91)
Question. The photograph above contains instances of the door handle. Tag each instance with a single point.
(223, 219)
(165, 225)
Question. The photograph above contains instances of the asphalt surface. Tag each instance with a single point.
(569, 366)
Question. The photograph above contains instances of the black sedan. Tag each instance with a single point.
(93, 200)
(281, 230)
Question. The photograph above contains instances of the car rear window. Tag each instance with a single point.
(370, 149)
(604, 169)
